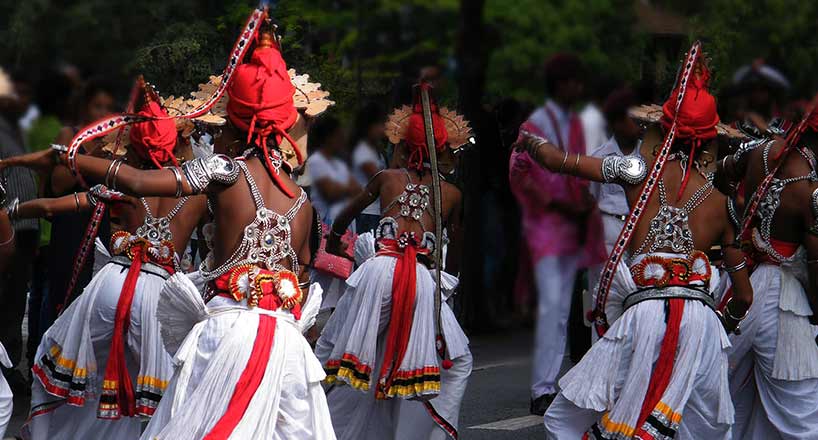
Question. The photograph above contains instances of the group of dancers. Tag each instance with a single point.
(149, 351)
(688, 349)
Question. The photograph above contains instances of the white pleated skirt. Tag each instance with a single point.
(71, 359)
(289, 402)
(357, 330)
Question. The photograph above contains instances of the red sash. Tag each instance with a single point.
(117, 397)
(265, 291)
(404, 289)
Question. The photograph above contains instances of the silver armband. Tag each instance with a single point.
(746, 147)
(628, 169)
(813, 202)
(201, 171)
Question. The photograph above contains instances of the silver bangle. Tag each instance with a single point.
(77, 201)
(12, 209)
(177, 174)
(113, 178)
(108, 172)
(564, 159)
(736, 268)
(730, 315)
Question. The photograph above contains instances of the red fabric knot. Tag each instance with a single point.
(416, 133)
(697, 118)
(154, 139)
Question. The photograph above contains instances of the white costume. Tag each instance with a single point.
(244, 370)
(413, 398)
(774, 361)
(77, 391)
(6, 397)
(661, 368)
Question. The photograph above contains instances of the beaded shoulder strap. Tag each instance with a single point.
(158, 228)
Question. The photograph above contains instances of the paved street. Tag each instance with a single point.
(496, 402)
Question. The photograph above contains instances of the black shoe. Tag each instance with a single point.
(540, 404)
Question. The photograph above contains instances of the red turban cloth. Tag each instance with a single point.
(697, 118)
(261, 102)
(416, 136)
(155, 139)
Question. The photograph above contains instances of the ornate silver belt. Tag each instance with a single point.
(668, 293)
(147, 267)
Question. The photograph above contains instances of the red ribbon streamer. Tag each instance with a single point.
(660, 378)
(404, 288)
(248, 382)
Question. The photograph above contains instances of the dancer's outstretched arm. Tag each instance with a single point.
(167, 182)
(75, 202)
(626, 171)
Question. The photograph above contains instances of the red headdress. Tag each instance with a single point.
(155, 138)
(261, 101)
(416, 133)
(697, 118)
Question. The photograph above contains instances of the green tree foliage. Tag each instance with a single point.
(780, 31)
(603, 32)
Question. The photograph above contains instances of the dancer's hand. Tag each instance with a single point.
(43, 162)
(336, 246)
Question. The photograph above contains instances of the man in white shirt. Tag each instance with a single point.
(368, 160)
(332, 181)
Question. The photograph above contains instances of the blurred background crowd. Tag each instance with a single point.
(73, 62)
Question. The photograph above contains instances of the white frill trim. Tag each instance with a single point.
(4, 357)
(364, 248)
(796, 354)
(101, 255)
(181, 309)
(311, 307)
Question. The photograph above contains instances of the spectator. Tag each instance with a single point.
(560, 224)
(22, 185)
(594, 127)
(51, 99)
(94, 101)
(332, 181)
(368, 158)
(610, 198)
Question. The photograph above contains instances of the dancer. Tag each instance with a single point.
(103, 356)
(774, 361)
(244, 369)
(6, 251)
(661, 368)
(385, 321)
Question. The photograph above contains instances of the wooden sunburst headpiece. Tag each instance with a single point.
(457, 126)
(309, 99)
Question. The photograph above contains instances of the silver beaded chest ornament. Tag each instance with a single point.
(760, 194)
(772, 200)
(266, 240)
(598, 314)
(110, 124)
(670, 228)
